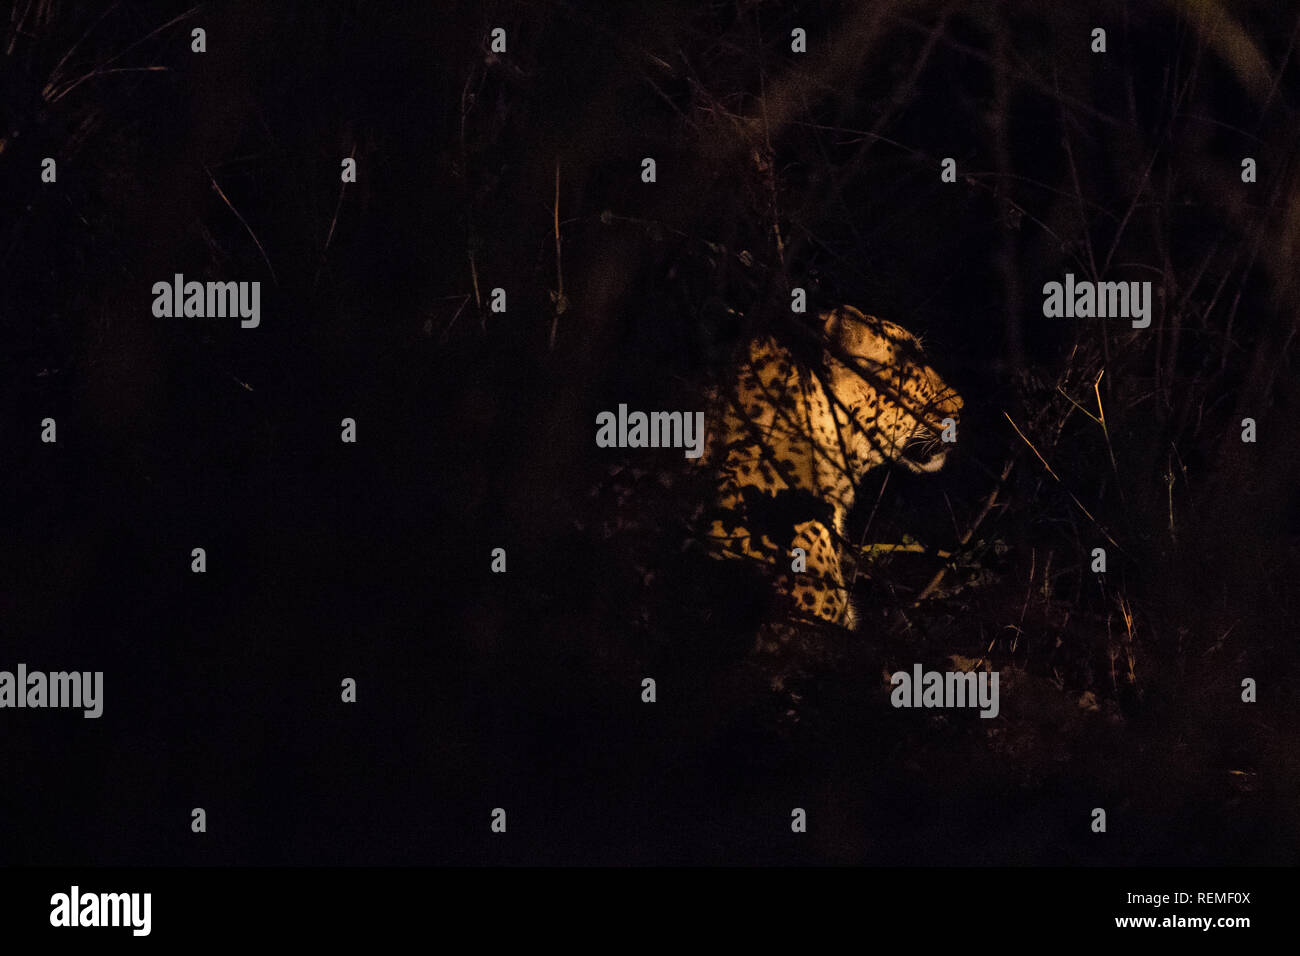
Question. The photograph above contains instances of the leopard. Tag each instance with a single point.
(792, 440)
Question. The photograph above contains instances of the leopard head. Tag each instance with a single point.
(896, 402)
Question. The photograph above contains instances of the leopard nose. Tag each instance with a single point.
(947, 405)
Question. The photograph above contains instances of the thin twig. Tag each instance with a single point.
(329, 237)
(1079, 504)
(119, 69)
(72, 49)
(989, 502)
(1101, 420)
(124, 52)
(559, 269)
(478, 299)
(253, 235)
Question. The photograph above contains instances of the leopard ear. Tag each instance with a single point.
(831, 325)
(844, 326)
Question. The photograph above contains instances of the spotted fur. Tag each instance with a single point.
(791, 444)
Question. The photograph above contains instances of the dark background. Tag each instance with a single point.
(476, 429)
